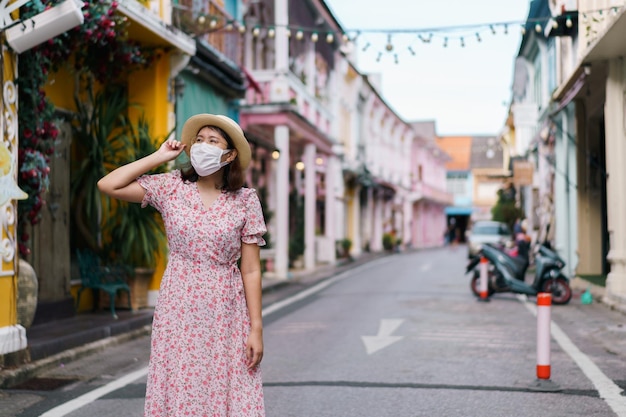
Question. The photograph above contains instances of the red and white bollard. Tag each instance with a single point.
(483, 281)
(544, 301)
(543, 383)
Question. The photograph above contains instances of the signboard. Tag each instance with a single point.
(522, 172)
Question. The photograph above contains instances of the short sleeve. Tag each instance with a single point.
(158, 187)
(254, 227)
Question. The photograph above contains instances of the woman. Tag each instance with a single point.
(207, 333)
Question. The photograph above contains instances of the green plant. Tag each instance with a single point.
(296, 241)
(388, 241)
(100, 49)
(136, 234)
(505, 209)
(100, 131)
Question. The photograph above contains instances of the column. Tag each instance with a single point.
(281, 241)
(280, 87)
(377, 216)
(616, 181)
(355, 218)
(12, 334)
(309, 206)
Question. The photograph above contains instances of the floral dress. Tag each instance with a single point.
(198, 364)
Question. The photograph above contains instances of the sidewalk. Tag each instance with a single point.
(62, 341)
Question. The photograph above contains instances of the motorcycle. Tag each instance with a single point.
(506, 274)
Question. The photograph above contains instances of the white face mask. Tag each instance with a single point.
(207, 159)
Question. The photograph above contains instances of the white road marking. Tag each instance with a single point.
(607, 389)
(384, 337)
(91, 396)
(317, 288)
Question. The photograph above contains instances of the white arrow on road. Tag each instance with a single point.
(384, 337)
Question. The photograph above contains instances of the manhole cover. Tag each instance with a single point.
(43, 384)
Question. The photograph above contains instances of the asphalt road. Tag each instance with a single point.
(399, 336)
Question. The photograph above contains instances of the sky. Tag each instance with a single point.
(465, 90)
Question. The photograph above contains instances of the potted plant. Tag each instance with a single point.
(137, 235)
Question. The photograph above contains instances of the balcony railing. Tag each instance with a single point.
(306, 104)
(423, 191)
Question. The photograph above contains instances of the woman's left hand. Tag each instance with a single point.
(254, 348)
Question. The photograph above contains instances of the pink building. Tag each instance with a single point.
(428, 196)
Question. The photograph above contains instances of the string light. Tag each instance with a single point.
(474, 33)
(389, 46)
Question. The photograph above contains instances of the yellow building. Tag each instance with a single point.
(151, 92)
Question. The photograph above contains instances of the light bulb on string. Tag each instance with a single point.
(229, 26)
(538, 28)
(523, 30)
(506, 29)
(271, 32)
(299, 35)
(314, 37)
(478, 37)
(462, 42)
(555, 25)
(345, 38)
(493, 30)
(213, 23)
(288, 33)
(389, 46)
(445, 42)
(569, 23)
(201, 19)
(395, 58)
(256, 31)
(380, 55)
(330, 38)
(367, 45)
(242, 28)
(411, 50)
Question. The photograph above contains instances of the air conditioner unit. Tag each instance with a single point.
(44, 26)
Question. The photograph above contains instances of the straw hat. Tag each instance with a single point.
(193, 125)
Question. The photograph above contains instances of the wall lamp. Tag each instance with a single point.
(45, 25)
(275, 154)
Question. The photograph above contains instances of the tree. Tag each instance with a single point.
(505, 209)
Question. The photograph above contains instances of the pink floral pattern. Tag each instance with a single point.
(201, 321)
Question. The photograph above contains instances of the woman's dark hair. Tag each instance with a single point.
(232, 178)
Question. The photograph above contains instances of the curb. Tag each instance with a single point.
(11, 377)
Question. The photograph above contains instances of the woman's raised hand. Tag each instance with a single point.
(170, 149)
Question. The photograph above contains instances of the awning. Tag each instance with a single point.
(147, 26)
(458, 211)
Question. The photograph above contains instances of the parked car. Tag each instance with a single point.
(487, 231)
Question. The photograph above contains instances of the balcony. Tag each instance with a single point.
(288, 89)
(423, 191)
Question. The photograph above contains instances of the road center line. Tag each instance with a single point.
(91, 396)
(607, 389)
